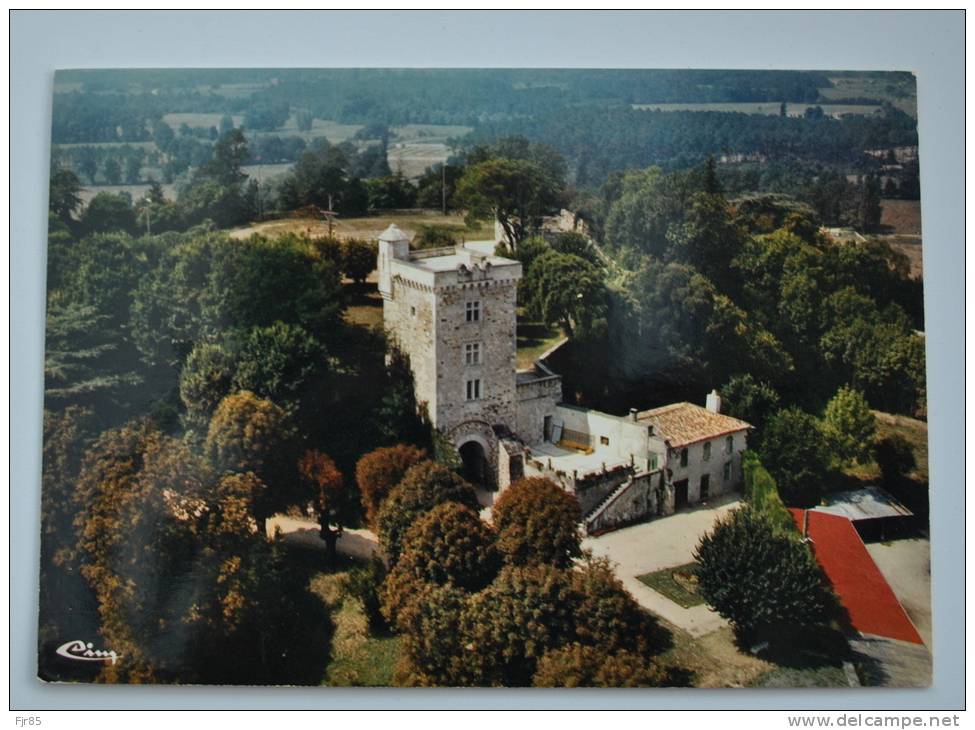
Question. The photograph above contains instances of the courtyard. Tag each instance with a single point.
(666, 542)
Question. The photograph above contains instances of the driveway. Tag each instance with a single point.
(665, 542)
(906, 564)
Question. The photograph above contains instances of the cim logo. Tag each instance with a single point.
(83, 652)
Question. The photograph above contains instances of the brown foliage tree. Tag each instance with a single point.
(248, 433)
(325, 482)
(537, 523)
(576, 665)
(380, 470)
(424, 487)
(448, 545)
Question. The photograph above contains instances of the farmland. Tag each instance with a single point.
(767, 108)
(368, 227)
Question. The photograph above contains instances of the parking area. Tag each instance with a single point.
(663, 543)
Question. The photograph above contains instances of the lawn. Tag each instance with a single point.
(916, 434)
(786, 677)
(534, 338)
(361, 657)
(679, 584)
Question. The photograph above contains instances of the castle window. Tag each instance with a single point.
(412, 311)
(727, 471)
(604, 441)
(707, 451)
(472, 353)
(729, 444)
(683, 457)
(653, 462)
(474, 389)
(473, 311)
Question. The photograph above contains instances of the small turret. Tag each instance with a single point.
(393, 244)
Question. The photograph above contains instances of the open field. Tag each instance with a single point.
(911, 247)
(411, 159)
(368, 227)
(198, 119)
(899, 93)
(135, 191)
(767, 108)
(901, 216)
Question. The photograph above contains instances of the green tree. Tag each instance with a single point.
(895, 457)
(108, 213)
(849, 426)
(752, 401)
(63, 198)
(304, 120)
(424, 486)
(205, 380)
(380, 470)
(229, 156)
(112, 171)
(358, 259)
(282, 362)
(517, 193)
(764, 580)
(537, 523)
(797, 455)
(566, 290)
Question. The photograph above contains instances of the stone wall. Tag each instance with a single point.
(641, 500)
(698, 466)
(495, 332)
(409, 316)
(537, 398)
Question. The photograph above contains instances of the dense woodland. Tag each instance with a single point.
(197, 384)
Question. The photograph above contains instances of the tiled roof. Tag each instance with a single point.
(685, 423)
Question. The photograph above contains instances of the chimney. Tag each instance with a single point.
(633, 413)
(713, 402)
(805, 523)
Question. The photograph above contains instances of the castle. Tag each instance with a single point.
(452, 311)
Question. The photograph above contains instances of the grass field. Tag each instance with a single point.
(360, 657)
(198, 119)
(767, 108)
(901, 216)
(677, 584)
(368, 227)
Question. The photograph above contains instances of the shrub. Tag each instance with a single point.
(537, 522)
(363, 584)
(358, 259)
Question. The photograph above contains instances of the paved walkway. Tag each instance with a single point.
(355, 543)
(665, 542)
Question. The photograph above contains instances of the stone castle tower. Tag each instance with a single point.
(452, 311)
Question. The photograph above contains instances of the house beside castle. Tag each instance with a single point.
(452, 311)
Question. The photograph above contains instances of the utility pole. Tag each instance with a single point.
(443, 187)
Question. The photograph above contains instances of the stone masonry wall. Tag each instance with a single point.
(495, 331)
(409, 318)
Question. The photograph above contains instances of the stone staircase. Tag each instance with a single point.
(592, 514)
